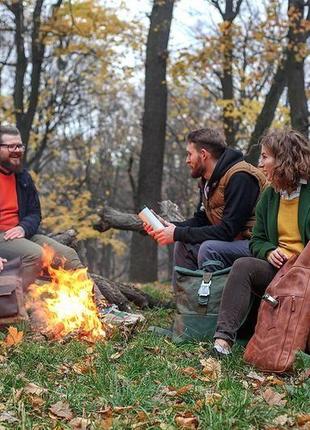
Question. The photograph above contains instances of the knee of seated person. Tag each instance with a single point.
(34, 257)
(72, 259)
(243, 263)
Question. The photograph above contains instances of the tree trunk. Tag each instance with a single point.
(295, 72)
(143, 263)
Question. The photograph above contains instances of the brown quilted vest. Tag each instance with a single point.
(214, 205)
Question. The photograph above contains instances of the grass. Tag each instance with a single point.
(135, 372)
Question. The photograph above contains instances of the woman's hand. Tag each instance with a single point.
(277, 258)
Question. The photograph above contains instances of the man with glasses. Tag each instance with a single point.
(20, 213)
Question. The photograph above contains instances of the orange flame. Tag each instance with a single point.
(65, 305)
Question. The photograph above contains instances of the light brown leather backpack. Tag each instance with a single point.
(283, 329)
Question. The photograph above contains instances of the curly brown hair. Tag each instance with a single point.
(291, 151)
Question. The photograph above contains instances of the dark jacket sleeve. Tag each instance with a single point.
(240, 197)
(260, 244)
(198, 220)
(32, 210)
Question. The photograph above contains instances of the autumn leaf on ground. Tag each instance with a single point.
(190, 371)
(273, 398)
(176, 392)
(212, 398)
(256, 376)
(79, 423)
(186, 421)
(211, 368)
(13, 337)
(8, 417)
(61, 410)
(273, 380)
(106, 421)
(32, 388)
(281, 420)
(302, 419)
(36, 402)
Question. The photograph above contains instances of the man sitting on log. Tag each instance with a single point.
(20, 212)
(229, 188)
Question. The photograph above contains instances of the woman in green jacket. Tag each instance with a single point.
(282, 229)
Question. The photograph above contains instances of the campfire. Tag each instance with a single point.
(64, 305)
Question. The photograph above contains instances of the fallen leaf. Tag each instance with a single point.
(186, 421)
(8, 417)
(142, 416)
(190, 371)
(273, 398)
(211, 368)
(117, 355)
(62, 410)
(273, 380)
(304, 376)
(256, 376)
(121, 409)
(302, 419)
(32, 388)
(212, 398)
(13, 337)
(79, 423)
(36, 402)
(106, 421)
(281, 420)
(176, 392)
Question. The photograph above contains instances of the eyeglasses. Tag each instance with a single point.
(13, 148)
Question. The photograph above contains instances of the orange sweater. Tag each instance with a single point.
(8, 202)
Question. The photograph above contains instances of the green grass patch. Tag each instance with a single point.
(143, 375)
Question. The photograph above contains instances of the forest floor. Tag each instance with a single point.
(136, 380)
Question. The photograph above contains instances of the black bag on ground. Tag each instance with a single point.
(12, 308)
(198, 296)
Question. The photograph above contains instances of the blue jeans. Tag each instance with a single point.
(194, 256)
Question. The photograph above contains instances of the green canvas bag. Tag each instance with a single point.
(198, 296)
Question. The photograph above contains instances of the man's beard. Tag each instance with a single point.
(11, 167)
(198, 171)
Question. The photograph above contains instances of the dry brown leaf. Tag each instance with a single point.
(302, 419)
(186, 421)
(212, 398)
(142, 416)
(256, 376)
(117, 355)
(3, 358)
(273, 380)
(79, 423)
(62, 410)
(106, 421)
(273, 398)
(121, 409)
(8, 417)
(13, 337)
(36, 402)
(82, 368)
(211, 368)
(281, 420)
(304, 376)
(176, 392)
(32, 388)
(190, 371)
